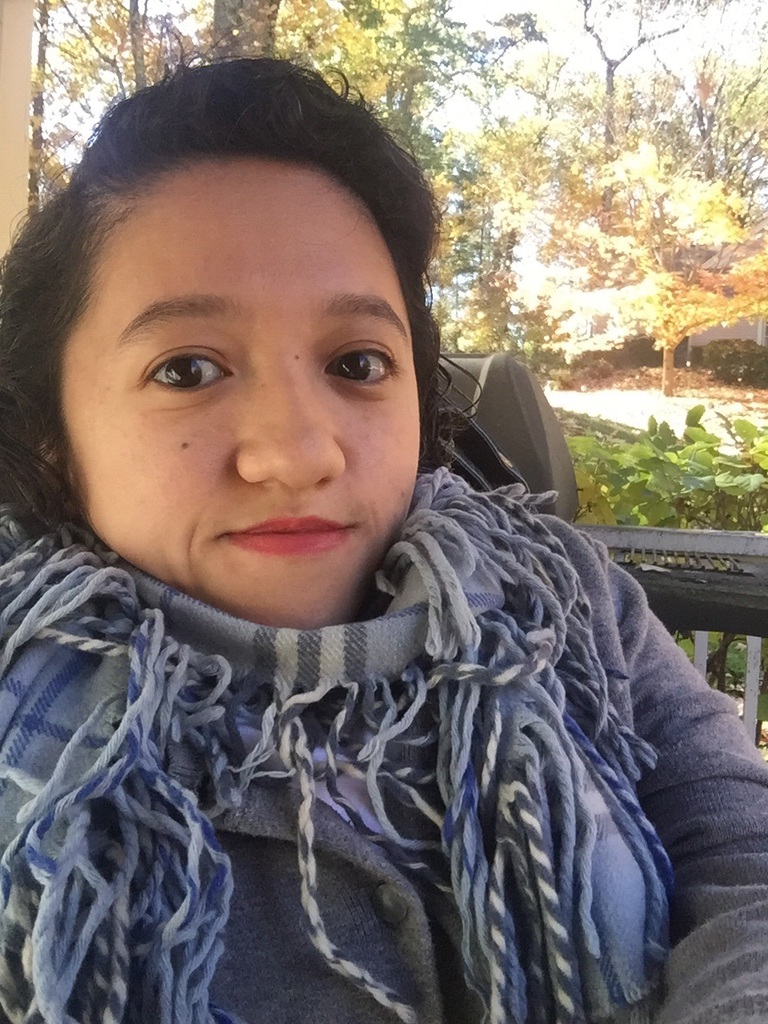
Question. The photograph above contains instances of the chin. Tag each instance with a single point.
(291, 606)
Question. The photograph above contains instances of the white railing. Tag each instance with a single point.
(752, 675)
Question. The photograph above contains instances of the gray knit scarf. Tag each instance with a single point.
(113, 887)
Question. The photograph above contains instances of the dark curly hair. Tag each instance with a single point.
(245, 107)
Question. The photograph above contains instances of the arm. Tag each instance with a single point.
(708, 800)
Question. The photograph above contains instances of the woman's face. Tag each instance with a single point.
(239, 396)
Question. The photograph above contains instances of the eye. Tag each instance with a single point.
(364, 367)
(187, 372)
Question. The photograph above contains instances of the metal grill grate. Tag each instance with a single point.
(664, 559)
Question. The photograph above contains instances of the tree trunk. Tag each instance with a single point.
(245, 28)
(136, 30)
(38, 108)
(668, 372)
(609, 137)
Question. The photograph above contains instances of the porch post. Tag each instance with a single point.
(16, 22)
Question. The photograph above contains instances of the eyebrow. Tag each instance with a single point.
(210, 306)
(352, 304)
(178, 308)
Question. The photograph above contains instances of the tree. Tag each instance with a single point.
(408, 58)
(474, 260)
(717, 124)
(137, 23)
(36, 151)
(640, 11)
(643, 12)
(600, 242)
(86, 56)
(245, 28)
(656, 271)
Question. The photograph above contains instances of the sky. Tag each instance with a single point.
(561, 22)
(477, 14)
(733, 31)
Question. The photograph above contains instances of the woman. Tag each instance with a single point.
(295, 726)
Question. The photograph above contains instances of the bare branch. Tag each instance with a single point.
(643, 40)
(111, 62)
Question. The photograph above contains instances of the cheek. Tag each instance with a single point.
(127, 467)
(393, 464)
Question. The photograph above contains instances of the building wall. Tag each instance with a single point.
(744, 330)
(16, 21)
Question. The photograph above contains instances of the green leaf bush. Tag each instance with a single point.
(696, 481)
(737, 362)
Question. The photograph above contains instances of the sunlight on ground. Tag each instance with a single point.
(633, 408)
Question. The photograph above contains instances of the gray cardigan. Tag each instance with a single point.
(707, 797)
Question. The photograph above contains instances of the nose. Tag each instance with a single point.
(289, 435)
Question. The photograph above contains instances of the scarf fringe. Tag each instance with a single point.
(513, 704)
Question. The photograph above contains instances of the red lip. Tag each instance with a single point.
(307, 536)
(307, 524)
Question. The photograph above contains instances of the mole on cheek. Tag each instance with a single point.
(185, 444)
